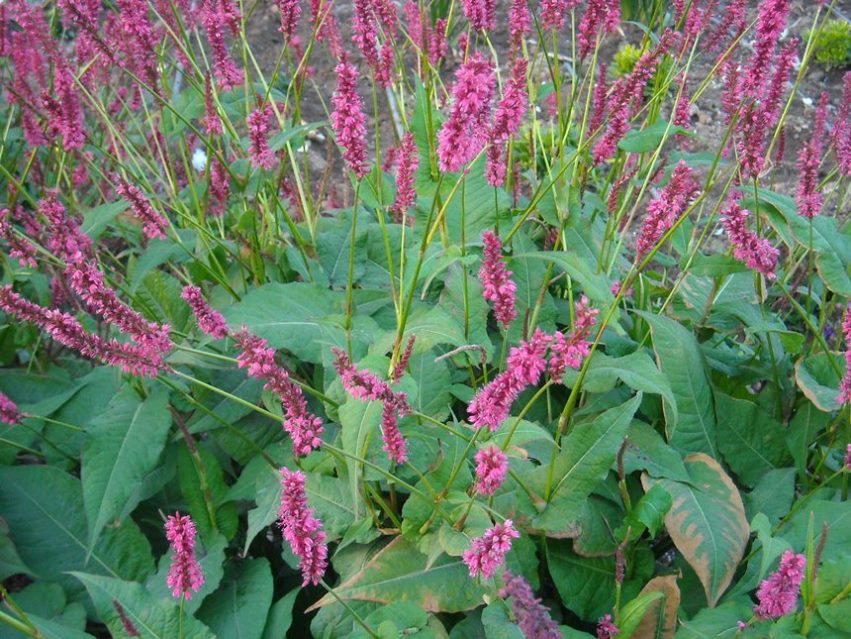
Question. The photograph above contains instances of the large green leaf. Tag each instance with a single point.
(818, 380)
(692, 429)
(751, 441)
(43, 507)
(588, 453)
(707, 522)
(399, 572)
(152, 618)
(124, 445)
(594, 285)
(303, 318)
(239, 607)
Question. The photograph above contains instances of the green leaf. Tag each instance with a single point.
(191, 485)
(305, 319)
(497, 623)
(97, 219)
(772, 495)
(280, 616)
(660, 621)
(328, 496)
(43, 507)
(646, 450)
(268, 498)
(595, 285)
(152, 618)
(239, 608)
(649, 138)
(650, 511)
(692, 429)
(712, 623)
(707, 523)
(408, 620)
(634, 611)
(124, 445)
(432, 325)
(588, 453)
(751, 441)
(818, 380)
(636, 370)
(399, 572)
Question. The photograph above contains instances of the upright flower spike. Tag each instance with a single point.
(302, 531)
(491, 469)
(259, 151)
(842, 128)
(290, 11)
(302, 426)
(519, 22)
(209, 319)
(348, 119)
(408, 163)
(480, 13)
(771, 21)
(65, 238)
(778, 594)
(845, 385)
(154, 224)
(531, 615)
(184, 575)
(487, 553)
(496, 280)
(402, 364)
(464, 133)
(20, 247)
(605, 14)
(757, 253)
(667, 208)
(216, 17)
(212, 121)
(9, 413)
(506, 121)
(808, 199)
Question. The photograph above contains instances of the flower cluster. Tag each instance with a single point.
(496, 280)
(302, 426)
(778, 594)
(301, 529)
(809, 200)
(408, 162)
(259, 151)
(606, 629)
(348, 119)
(527, 362)
(531, 615)
(184, 575)
(845, 385)
(464, 133)
(367, 386)
(491, 469)
(757, 253)
(487, 553)
(9, 413)
(671, 203)
(209, 319)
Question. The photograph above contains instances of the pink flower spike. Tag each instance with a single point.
(480, 13)
(778, 594)
(757, 253)
(154, 224)
(847, 459)
(290, 11)
(606, 629)
(9, 413)
(408, 163)
(532, 617)
(184, 576)
(845, 385)
(496, 280)
(209, 319)
(464, 133)
(302, 531)
(491, 469)
(348, 119)
(259, 151)
(487, 553)
(808, 198)
(568, 352)
(212, 121)
(492, 404)
(667, 208)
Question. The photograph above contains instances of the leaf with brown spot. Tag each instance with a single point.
(660, 621)
(707, 522)
(399, 572)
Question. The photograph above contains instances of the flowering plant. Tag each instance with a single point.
(422, 322)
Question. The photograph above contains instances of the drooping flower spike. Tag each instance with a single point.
(302, 531)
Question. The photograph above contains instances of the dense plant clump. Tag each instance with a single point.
(441, 319)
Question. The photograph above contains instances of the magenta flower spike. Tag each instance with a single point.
(491, 469)
(757, 253)
(408, 163)
(671, 203)
(531, 615)
(496, 280)
(9, 413)
(845, 385)
(302, 531)
(778, 594)
(606, 629)
(487, 553)
(184, 575)
(154, 224)
(209, 319)
(259, 122)
(348, 119)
